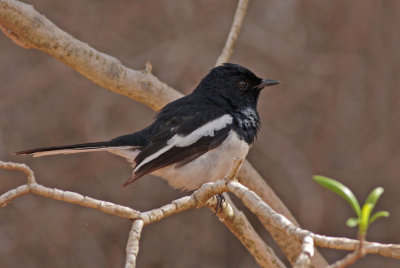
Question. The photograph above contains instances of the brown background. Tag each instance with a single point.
(336, 113)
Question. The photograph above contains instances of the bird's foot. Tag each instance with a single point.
(220, 201)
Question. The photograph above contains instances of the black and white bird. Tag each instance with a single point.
(194, 139)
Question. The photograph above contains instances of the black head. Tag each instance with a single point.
(233, 85)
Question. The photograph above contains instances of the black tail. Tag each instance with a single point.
(134, 140)
(75, 148)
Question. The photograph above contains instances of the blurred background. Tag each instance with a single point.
(336, 113)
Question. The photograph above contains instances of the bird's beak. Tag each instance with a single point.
(268, 83)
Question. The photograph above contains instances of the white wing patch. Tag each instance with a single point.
(211, 166)
(177, 140)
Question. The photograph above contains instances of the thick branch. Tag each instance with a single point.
(33, 30)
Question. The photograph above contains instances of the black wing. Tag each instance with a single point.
(181, 121)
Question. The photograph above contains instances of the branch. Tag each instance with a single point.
(233, 219)
(56, 194)
(234, 32)
(242, 229)
(132, 247)
(269, 217)
(239, 225)
(12, 194)
(249, 177)
(343, 243)
(28, 27)
(307, 252)
(348, 260)
(20, 167)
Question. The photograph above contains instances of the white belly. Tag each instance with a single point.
(209, 167)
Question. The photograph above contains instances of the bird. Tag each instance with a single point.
(194, 139)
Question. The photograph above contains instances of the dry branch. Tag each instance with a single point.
(239, 225)
(233, 219)
(307, 252)
(132, 246)
(343, 243)
(28, 27)
(267, 215)
(238, 19)
(264, 255)
(12, 194)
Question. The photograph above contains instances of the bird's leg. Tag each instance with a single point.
(220, 201)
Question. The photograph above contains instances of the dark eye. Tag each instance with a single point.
(242, 84)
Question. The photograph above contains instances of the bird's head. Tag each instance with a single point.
(233, 85)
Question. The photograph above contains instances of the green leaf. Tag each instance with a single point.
(374, 196)
(367, 209)
(352, 222)
(341, 190)
(364, 221)
(378, 215)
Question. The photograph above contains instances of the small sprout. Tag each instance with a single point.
(378, 215)
(364, 218)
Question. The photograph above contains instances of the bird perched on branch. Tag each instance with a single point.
(194, 139)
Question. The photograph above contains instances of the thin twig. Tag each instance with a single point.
(20, 167)
(344, 243)
(350, 258)
(9, 196)
(132, 246)
(234, 32)
(85, 201)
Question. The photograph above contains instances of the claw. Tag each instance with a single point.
(220, 202)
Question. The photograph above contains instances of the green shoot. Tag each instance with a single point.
(364, 218)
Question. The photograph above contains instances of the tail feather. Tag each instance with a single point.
(75, 148)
